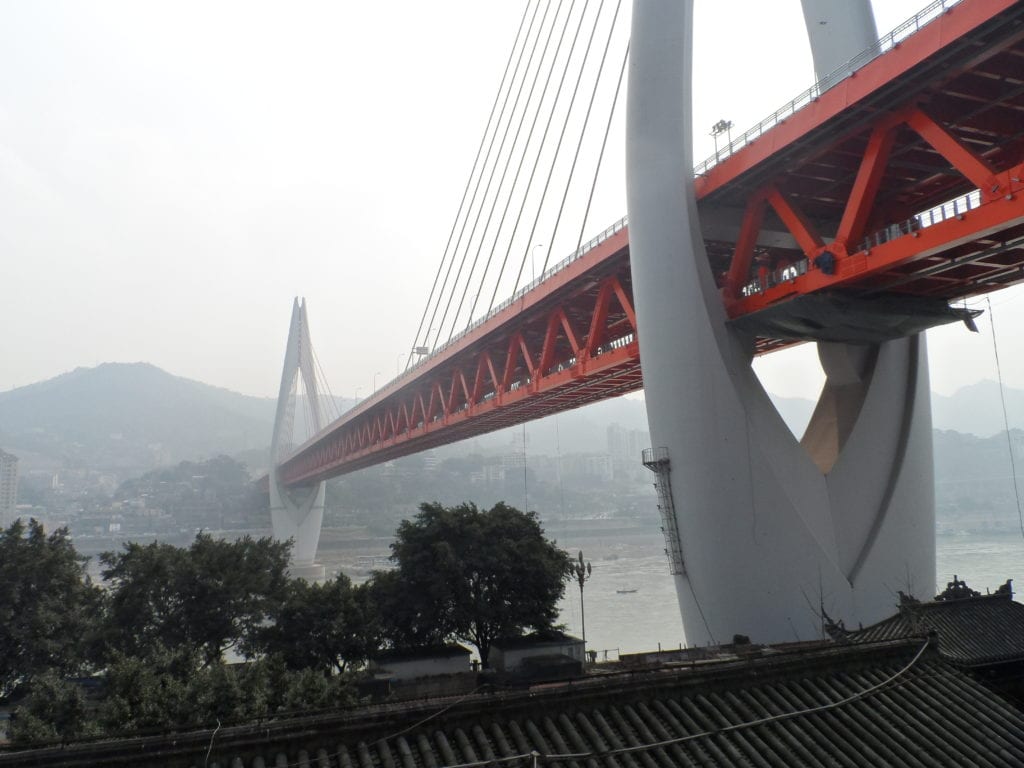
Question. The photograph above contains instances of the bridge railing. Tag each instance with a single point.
(886, 43)
(951, 209)
(583, 250)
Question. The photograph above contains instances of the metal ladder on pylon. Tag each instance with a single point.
(656, 460)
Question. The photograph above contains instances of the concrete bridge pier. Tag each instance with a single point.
(772, 530)
(296, 513)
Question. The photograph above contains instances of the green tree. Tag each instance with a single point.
(322, 627)
(208, 598)
(48, 606)
(146, 694)
(474, 575)
(53, 711)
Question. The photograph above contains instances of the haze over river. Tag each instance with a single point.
(640, 620)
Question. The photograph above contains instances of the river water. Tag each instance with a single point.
(621, 620)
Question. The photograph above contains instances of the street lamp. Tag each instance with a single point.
(375, 380)
(722, 126)
(398, 363)
(533, 265)
(581, 572)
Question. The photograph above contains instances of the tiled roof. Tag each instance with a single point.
(888, 704)
(972, 631)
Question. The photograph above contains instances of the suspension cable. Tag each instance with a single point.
(476, 187)
(604, 142)
(490, 179)
(536, 163)
(522, 160)
(583, 130)
(505, 169)
(558, 146)
(469, 181)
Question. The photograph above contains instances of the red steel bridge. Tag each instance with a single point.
(893, 189)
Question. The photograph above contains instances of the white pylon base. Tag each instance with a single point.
(296, 513)
(772, 531)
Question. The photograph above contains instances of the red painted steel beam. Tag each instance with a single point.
(861, 156)
(547, 366)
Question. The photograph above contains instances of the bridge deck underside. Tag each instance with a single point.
(862, 173)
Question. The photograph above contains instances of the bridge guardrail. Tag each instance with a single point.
(585, 248)
(884, 44)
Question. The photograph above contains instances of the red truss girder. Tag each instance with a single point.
(939, 114)
(860, 263)
(572, 343)
(845, 178)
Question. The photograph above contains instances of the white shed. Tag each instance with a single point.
(512, 654)
(413, 663)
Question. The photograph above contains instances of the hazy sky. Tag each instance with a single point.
(173, 173)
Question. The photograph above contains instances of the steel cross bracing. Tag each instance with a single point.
(569, 341)
(902, 180)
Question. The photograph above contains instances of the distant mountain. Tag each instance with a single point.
(977, 410)
(123, 416)
(132, 417)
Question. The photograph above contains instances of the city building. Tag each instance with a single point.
(8, 487)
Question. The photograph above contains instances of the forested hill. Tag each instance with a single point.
(133, 417)
(129, 415)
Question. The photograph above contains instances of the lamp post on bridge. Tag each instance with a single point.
(722, 126)
(398, 363)
(375, 380)
(581, 572)
(533, 263)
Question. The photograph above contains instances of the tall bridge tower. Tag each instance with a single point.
(773, 531)
(297, 513)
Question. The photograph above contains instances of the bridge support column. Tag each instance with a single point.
(772, 532)
(296, 513)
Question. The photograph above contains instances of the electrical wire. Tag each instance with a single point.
(1006, 420)
(648, 746)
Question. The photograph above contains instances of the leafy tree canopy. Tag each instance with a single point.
(470, 574)
(48, 606)
(322, 627)
(210, 597)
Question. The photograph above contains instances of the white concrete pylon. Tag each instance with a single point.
(770, 533)
(296, 513)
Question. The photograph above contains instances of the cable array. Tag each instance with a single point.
(518, 162)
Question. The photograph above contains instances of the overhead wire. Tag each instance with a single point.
(476, 187)
(1006, 421)
(469, 181)
(651, 745)
(490, 179)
